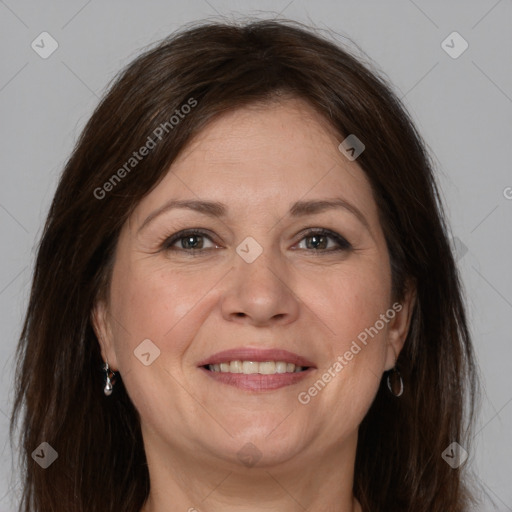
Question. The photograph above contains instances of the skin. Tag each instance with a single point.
(257, 161)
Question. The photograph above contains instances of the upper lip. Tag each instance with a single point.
(256, 355)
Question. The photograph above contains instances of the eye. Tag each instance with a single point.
(318, 240)
(191, 240)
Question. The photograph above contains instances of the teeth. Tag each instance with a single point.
(281, 367)
(235, 367)
(268, 368)
(250, 367)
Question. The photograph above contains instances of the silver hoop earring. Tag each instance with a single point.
(109, 380)
(395, 383)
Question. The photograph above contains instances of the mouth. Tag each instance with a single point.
(256, 369)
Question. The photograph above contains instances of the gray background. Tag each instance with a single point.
(462, 107)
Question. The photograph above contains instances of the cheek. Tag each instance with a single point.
(151, 304)
(354, 347)
(350, 301)
(155, 304)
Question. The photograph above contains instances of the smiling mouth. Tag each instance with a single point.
(255, 367)
(254, 376)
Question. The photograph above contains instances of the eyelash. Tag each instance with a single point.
(344, 245)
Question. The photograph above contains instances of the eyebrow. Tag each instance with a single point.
(219, 210)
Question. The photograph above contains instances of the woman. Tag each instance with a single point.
(244, 296)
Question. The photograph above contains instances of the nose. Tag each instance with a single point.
(260, 294)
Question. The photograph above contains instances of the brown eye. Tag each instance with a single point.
(191, 241)
(325, 241)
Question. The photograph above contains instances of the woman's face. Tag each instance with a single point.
(262, 281)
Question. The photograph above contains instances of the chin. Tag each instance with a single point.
(260, 445)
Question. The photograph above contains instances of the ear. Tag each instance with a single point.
(398, 327)
(102, 328)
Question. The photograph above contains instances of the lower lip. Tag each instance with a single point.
(258, 381)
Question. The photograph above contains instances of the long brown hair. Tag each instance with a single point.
(212, 68)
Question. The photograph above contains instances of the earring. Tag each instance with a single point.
(395, 383)
(109, 384)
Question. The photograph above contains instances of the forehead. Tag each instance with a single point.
(263, 137)
(264, 155)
